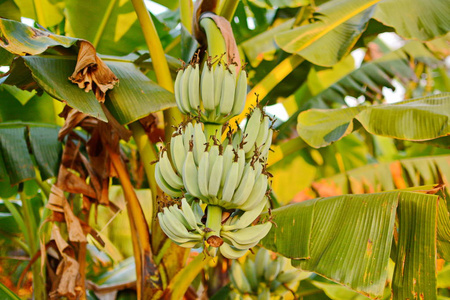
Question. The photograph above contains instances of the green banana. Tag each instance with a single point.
(230, 252)
(245, 186)
(249, 270)
(184, 91)
(207, 87)
(177, 90)
(194, 88)
(214, 181)
(189, 215)
(190, 176)
(264, 294)
(289, 276)
(246, 218)
(203, 174)
(252, 129)
(188, 136)
(178, 152)
(265, 149)
(169, 190)
(240, 94)
(230, 183)
(219, 73)
(262, 259)
(247, 237)
(257, 194)
(228, 156)
(272, 270)
(167, 171)
(238, 278)
(199, 142)
(227, 96)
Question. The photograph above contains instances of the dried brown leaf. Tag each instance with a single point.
(91, 73)
(200, 7)
(68, 277)
(71, 183)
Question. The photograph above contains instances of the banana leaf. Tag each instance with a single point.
(7, 294)
(25, 146)
(348, 239)
(420, 119)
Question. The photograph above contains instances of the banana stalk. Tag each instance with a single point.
(145, 268)
(214, 223)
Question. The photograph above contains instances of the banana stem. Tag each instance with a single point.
(216, 42)
(228, 8)
(186, 11)
(214, 223)
(148, 155)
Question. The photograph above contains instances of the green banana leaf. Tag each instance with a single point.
(371, 77)
(9, 10)
(348, 239)
(7, 294)
(135, 97)
(18, 140)
(419, 119)
(338, 27)
(47, 13)
(424, 20)
(113, 27)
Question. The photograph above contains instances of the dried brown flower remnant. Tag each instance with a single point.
(91, 73)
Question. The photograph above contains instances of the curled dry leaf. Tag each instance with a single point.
(91, 73)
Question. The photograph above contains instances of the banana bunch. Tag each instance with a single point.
(215, 174)
(263, 277)
(183, 226)
(216, 94)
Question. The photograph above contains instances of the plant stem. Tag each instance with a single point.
(181, 282)
(30, 223)
(214, 220)
(228, 9)
(102, 26)
(145, 268)
(186, 11)
(148, 155)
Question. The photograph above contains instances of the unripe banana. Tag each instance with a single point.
(194, 89)
(184, 91)
(219, 73)
(178, 152)
(248, 237)
(249, 270)
(230, 252)
(245, 186)
(252, 129)
(289, 276)
(262, 259)
(189, 215)
(214, 181)
(199, 142)
(190, 176)
(227, 96)
(207, 86)
(228, 156)
(241, 162)
(165, 187)
(167, 171)
(175, 230)
(230, 182)
(261, 137)
(265, 149)
(240, 94)
(272, 270)
(238, 278)
(187, 136)
(175, 211)
(246, 218)
(203, 174)
(257, 194)
(264, 294)
(177, 90)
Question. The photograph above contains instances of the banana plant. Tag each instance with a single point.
(211, 182)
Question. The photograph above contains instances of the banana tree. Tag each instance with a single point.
(210, 189)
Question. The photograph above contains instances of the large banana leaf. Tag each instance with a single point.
(47, 13)
(135, 97)
(423, 20)
(349, 240)
(18, 140)
(324, 42)
(113, 27)
(420, 119)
